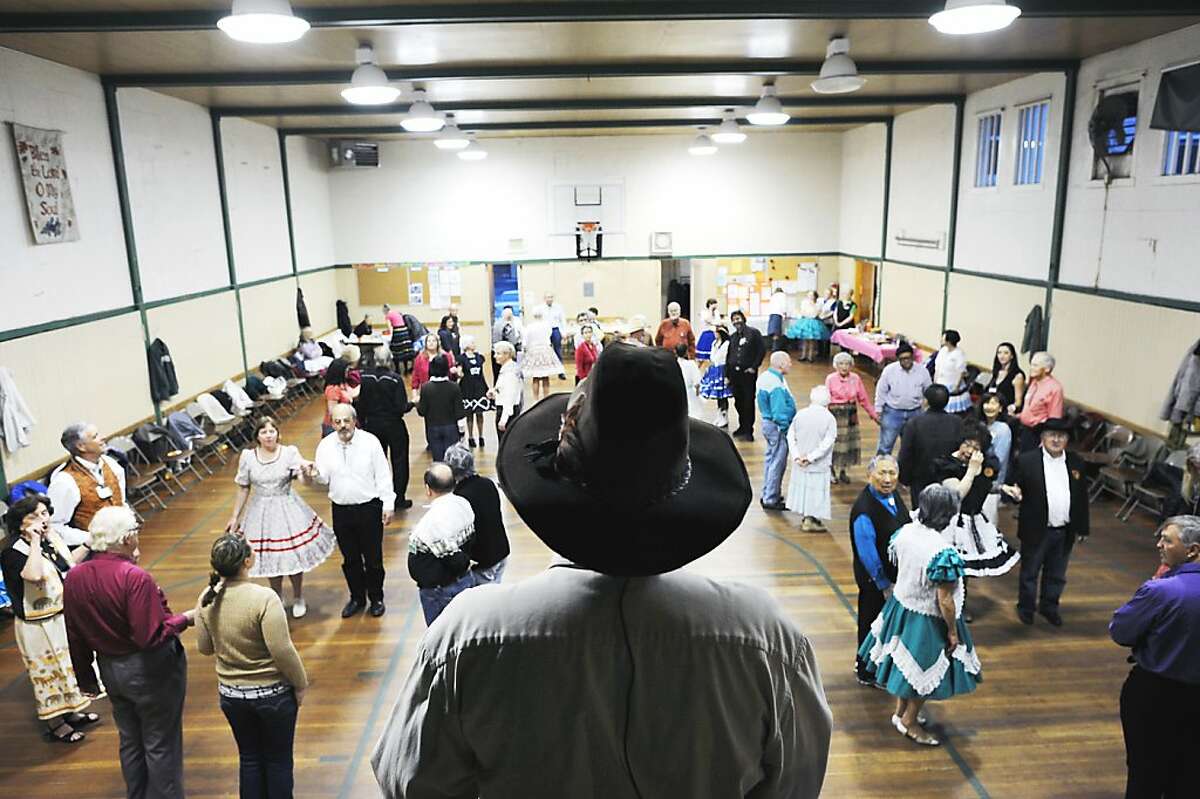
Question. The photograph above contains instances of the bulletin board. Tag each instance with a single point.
(748, 282)
(433, 285)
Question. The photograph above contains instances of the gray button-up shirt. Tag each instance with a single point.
(899, 389)
(576, 684)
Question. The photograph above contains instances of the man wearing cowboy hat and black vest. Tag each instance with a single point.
(1049, 483)
(611, 673)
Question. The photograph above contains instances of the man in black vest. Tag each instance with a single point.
(927, 437)
(1050, 485)
(746, 353)
(877, 513)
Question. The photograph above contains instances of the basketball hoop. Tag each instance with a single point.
(589, 240)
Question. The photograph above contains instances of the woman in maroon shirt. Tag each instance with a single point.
(586, 353)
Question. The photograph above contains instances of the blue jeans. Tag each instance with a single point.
(441, 437)
(891, 423)
(775, 461)
(556, 342)
(435, 600)
(264, 730)
(491, 574)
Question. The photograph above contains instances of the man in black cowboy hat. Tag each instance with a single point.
(1050, 485)
(611, 673)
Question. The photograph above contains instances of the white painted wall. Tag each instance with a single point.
(921, 184)
(1006, 229)
(312, 215)
(861, 190)
(257, 217)
(172, 176)
(33, 277)
(777, 192)
(1147, 240)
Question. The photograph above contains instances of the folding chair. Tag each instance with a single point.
(1109, 447)
(1128, 469)
(1151, 493)
(140, 483)
(211, 444)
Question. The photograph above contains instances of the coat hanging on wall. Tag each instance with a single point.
(343, 318)
(17, 419)
(163, 383)
(1182, 403)
(301, 309)
(1034, 339)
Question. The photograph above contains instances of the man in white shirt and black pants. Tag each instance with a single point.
(351, 462)
(557, 319)
(1050, 485)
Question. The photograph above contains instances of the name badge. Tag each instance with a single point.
(104, 492)
(742, 341)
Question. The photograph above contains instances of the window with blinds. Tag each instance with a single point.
(1181, 153)
(987, 150)
(1031, 144)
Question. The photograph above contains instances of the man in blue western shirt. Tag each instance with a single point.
(777, 408)
(1160, 702)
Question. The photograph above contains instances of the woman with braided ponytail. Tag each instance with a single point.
(261, 680)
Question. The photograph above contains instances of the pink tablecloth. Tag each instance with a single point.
(864, 346)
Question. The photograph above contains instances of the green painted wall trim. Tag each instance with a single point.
(952, 229)
(186, 297)
(1141, 299)
(1066, 133)
(1025, 281)
(287, 198)
(219, 153)
(889, 138)
(915, 265)
(59, 324)
(265, 280)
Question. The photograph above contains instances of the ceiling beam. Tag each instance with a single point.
(573, 124)
(588, 104)
(756, 66)
(588, 11)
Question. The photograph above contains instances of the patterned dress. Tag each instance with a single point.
(474, 384)
(905, 651)
(286, 534)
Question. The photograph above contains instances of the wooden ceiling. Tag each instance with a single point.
(507, 66)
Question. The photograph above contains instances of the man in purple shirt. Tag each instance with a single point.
(1160, 702)
(114, 609)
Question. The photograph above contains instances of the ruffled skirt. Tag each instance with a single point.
(808, 328)
(982, 546)
(905, 653)
(286, 534)
(540, 361)
(714, 385)
(704, 345)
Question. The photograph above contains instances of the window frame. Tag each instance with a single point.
(990, 160)
(1042, 132)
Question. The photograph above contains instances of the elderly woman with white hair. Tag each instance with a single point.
(846, 394)
(539, 363)
(474, 390)
(918, 648)
(509, 392)
(810, 441)
(489, 547)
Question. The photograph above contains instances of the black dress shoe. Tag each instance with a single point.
(1051, 616)
(1025, 616)
(352, 607)
(773, 506)
(377, 609)
(403, 504)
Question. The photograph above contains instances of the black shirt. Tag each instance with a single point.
(746, 349)
(926, 438)
(383, 400)
(441, 403)
(491, 541)
(1008, 394)
(950, 466)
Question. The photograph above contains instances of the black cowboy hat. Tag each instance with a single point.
(615, 477)
(1057, 424)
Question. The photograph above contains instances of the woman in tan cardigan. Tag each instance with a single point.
(261, 680)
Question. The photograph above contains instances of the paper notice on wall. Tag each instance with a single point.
(47, 188)
(806, 276)
(416, 294)
(758, 264)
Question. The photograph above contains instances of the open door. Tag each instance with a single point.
(864, 291)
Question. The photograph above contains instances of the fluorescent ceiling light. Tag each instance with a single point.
(472, 152)
(962, 17)
(262, 22)
(702, 145)
(451, 138)
(369, 84)
(768, 110)
(729, 132)
(839, 73)
(421, 118)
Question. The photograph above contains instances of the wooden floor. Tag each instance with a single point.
(1043, 724)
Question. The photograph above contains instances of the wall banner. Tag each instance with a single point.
(47, 189)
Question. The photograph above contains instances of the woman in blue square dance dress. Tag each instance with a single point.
(287, 536)
(918, 648)
(708, 330)
(808, 329)
(714, 385)
(474, 390)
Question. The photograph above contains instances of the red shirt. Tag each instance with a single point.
(113, 607)
(421, 368)
(585, 358)
(672, 332)
(1043, 400)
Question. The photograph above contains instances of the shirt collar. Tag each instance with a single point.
(95, 468)
(776, 372)
(1046, 456)
(886, 499)
(1185, 568)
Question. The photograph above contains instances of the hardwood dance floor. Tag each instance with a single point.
(1044, 723)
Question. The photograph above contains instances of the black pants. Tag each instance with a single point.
(1158, 718)
(511, 418)
(146, 690)
(742, 383)
(264, 730)
(1049, 558)
(393, 436)
(870, 604)
(359, 531)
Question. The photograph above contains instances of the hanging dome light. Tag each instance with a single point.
(702, 145)
(421, 118)
(262, 22)
(451, 138)
(839, 73)
(768, 110)
(369, 83)
(472, 152)
(729, 132)
(961, 17)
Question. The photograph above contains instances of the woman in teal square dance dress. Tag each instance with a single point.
(918, 648)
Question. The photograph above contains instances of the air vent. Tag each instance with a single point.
(354, 153)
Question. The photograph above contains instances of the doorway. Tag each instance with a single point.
(864, 291)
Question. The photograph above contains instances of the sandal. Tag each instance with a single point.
(63, 733)
(923, 738)
(83, 719)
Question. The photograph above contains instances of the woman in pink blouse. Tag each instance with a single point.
(846, 393)
(432, 347)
